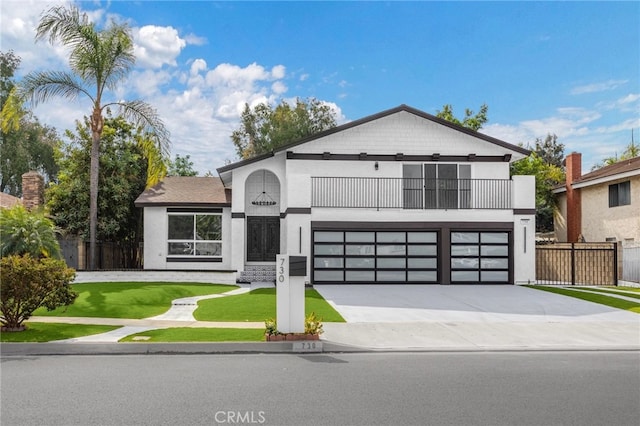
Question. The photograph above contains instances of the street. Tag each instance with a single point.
(481, 388)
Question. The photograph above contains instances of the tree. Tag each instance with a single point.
(264, 128)
(25, 232)
(31, 277)
(547, 177)
(99, 61)
(631, 151)
(549, 150)
(181, 166)
(29, 283)
(470, 121)
(123, 170)
(26, 146)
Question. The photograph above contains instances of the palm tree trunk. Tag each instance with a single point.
(96, 132)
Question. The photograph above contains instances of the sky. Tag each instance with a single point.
(566, 68)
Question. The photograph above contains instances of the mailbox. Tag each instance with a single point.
(297, 266)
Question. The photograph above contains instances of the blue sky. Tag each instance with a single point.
(569, 68)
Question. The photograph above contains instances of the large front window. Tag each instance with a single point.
(192, 234)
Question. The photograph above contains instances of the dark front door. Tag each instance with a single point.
(263, 238)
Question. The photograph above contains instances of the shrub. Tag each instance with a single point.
(313, 324)
(26, 232)
(28, 284)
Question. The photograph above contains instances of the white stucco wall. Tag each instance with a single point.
(155, 243)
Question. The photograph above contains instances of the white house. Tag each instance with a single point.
(397, 197)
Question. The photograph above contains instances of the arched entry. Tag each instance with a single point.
(262, 209)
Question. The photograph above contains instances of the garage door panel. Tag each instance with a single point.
(480, 257)
(375, 256)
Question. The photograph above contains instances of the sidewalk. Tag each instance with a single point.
(431, 318)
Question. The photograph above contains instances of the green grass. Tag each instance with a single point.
(596, 298)
(259, 305)
(187, 334)
(612, 291)
(634, 289)
(129, 299)
(46, 332)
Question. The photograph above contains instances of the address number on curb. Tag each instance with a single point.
(307, 346)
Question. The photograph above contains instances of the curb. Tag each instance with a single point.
(231, 348)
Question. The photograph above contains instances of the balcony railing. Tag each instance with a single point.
(409, 193)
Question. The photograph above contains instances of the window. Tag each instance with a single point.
(620, 194)
(436, 186)
(192, 234)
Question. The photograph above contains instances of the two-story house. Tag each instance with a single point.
(397, 197)
(602, 205)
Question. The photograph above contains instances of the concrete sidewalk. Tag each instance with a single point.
(401, 318)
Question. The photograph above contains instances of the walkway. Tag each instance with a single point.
(179, 315)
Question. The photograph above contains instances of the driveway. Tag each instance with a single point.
(473, 317)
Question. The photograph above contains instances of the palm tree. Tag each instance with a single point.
(25, 232)
(99, 61)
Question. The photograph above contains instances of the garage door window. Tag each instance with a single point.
(479, 257)
(375, 256)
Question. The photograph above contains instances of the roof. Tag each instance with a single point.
(192, 191)
(620, 170)
(621, 167)
(7, 201)
(374, 117)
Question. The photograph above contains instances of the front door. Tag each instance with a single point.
(263, 238)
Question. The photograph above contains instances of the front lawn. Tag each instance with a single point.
(603, 299)
(46, 332)
(259, 305)
(130, 299)
(188, 334)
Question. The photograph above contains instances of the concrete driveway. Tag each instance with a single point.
(474, 317)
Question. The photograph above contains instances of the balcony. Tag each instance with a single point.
(409, 193)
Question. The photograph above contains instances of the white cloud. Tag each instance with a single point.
(155, 46)
(279, 88)
(597, 87)
(197, 66)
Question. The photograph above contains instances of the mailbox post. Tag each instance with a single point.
(290, 273)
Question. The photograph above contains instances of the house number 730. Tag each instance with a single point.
(281, 271)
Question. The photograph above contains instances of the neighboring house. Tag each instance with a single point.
(32, 192)
(7, 201)
(396, 197)
(603, 205)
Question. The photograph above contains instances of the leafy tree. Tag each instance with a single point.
(181, 166)
(264, 128)
(26, 146)
(547, 177)
(31, 277)
(549, 150)
(631, 151)
(471, 121)
(122, 179)
(29, 283)
(99, 60)
(25, 232)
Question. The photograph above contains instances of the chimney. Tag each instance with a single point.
(574, 198)
(32, 190)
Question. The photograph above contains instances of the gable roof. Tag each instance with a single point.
(188, 191)
(620, 170)
(355, 123)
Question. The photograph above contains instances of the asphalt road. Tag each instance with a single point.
(491, 388)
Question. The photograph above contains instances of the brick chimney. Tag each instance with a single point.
(32, 190)
(574, 198)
